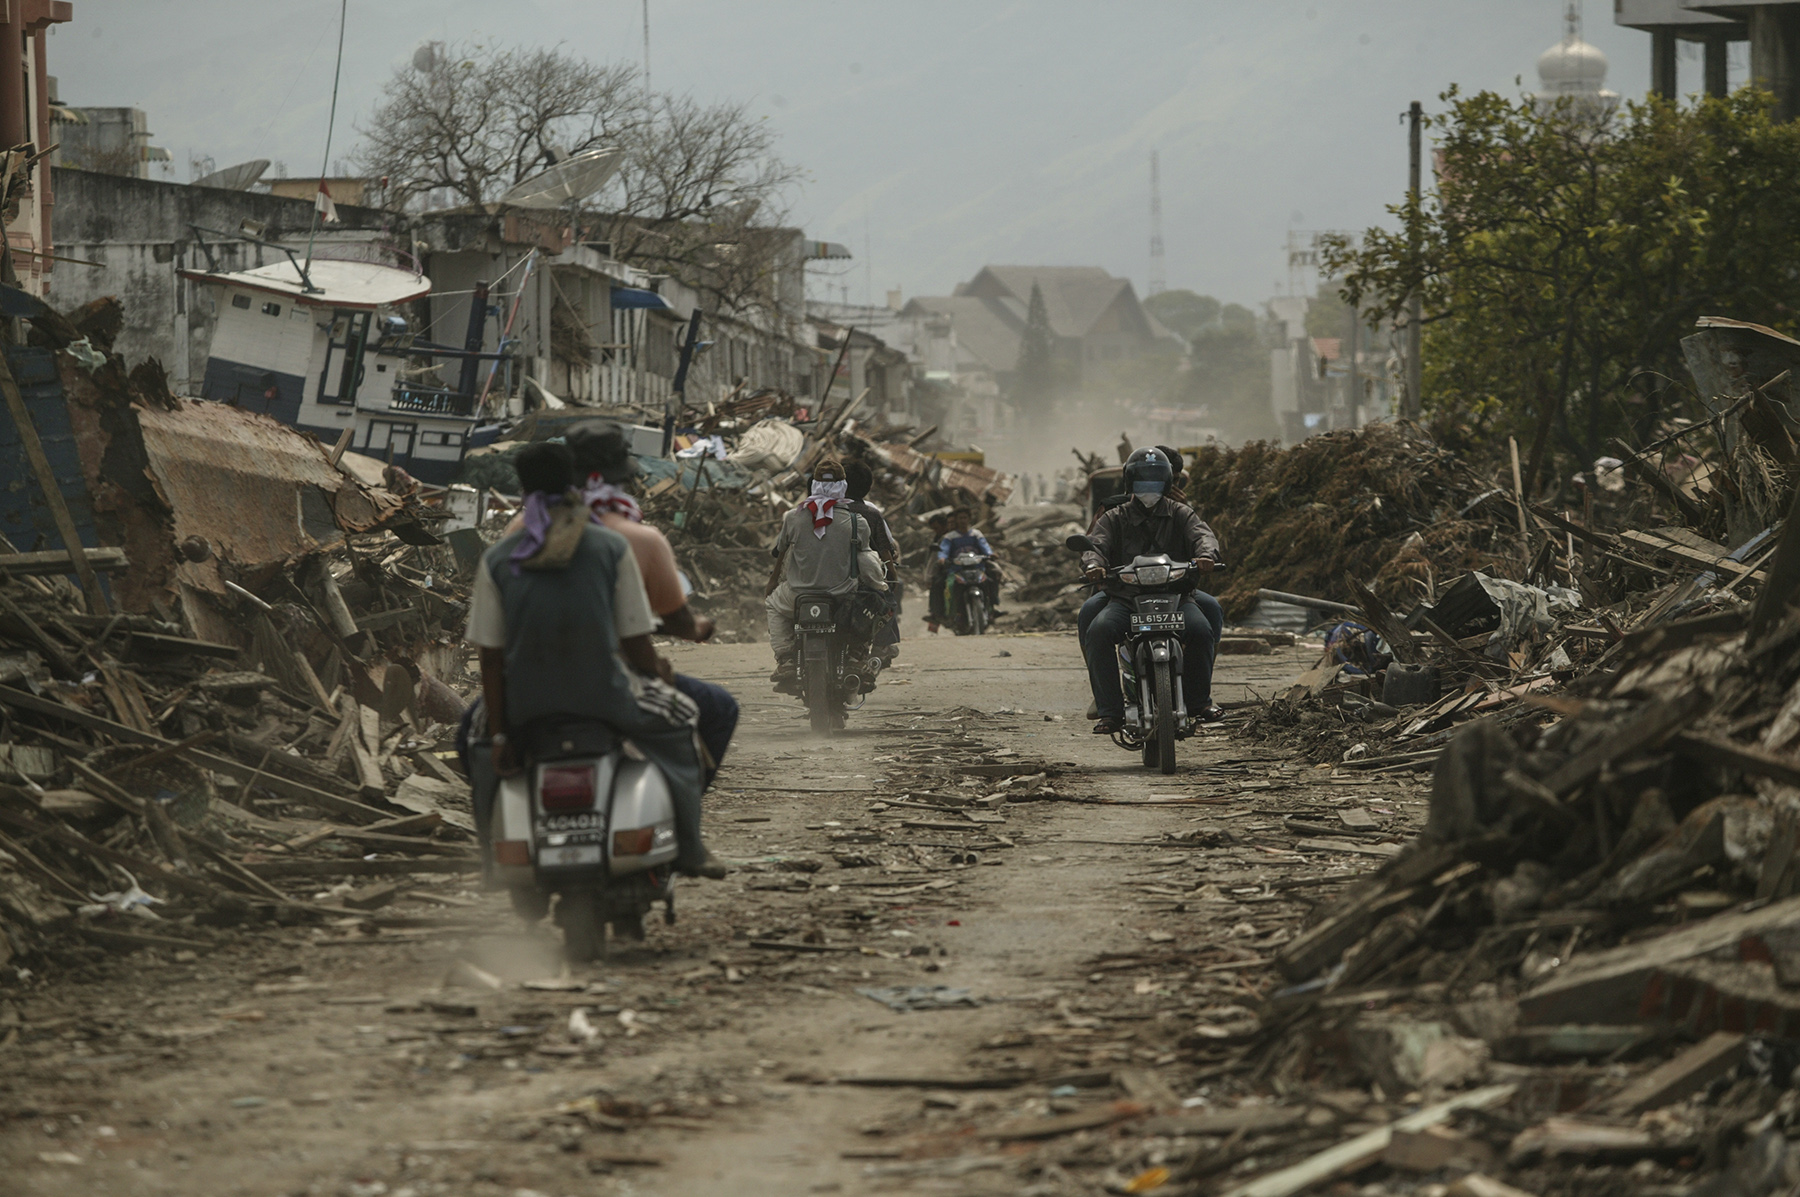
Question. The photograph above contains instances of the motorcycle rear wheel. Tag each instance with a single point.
(1163, 731)
(819, 699)
(583, 927)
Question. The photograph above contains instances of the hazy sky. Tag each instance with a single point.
(938, 135)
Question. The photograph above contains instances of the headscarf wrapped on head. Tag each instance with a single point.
(829, 487)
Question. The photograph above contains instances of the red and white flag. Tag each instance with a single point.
(322, 202)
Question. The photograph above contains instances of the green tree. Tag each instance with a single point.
(1037, 378)
(1562, 257)
(1184, 313)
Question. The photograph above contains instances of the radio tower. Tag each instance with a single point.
(1159, 280)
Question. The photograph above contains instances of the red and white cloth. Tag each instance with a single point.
(823, 504)
(602, 497)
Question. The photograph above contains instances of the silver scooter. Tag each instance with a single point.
(589, 822)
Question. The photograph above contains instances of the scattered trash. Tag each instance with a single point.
(906, 999)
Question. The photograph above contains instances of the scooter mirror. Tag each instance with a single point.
(1079, 544)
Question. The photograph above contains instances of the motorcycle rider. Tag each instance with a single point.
(1209, 606)
(562, 621)
(1151, 523)
(819, 542)
(963, 538)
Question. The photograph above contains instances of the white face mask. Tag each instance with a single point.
(1148, 500)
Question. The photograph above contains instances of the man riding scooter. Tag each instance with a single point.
(561, 618)
(1150, 523)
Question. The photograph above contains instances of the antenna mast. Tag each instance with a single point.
(1159, 280)
(646, 46)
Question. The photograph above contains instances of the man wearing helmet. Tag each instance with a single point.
(1150, 522)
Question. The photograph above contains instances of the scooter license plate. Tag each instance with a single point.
(1155, 621)
(569, 854)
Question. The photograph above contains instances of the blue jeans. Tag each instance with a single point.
(718, 717)
(1105, 622)
(1209, 607)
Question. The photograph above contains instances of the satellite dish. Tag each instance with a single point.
(235, 178)
(574, 178)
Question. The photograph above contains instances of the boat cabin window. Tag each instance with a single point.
(271, 309)
(344, 365)
(241, 301)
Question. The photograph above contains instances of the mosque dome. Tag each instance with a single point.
(1572, 67)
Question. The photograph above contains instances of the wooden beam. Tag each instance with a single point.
(56, 561)
(53, 496)
(353, 811)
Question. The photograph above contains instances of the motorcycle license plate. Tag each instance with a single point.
(570, 854)
(1155, 621)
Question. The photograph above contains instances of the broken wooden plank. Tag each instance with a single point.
(989, 1081)
(1687, 554)
(1065, 1124)
(1609, 986)
(1353, 1155)
(1674, 1079)
(355, 812)
(1250, 1119)
(1577, 1140)
(1478, 1184)
(182, 644)
(357, 867)
(57, 561)
(1713, 749)
(1647, 727)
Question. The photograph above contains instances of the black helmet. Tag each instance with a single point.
(1148, 472)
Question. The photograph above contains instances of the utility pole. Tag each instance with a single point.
(1411, 405)
(1159, 279)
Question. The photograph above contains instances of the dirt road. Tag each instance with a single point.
(1095, 959)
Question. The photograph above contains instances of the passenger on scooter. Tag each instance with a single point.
(819, 544)
(860, 479)
(604, 467)
(1150, 524)
(934, 571)
(562, 620)
(963, 538)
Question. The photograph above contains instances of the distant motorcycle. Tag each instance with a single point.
(1151, 659)
(967, 594)
(585, 822)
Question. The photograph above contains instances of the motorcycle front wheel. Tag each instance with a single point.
(1163, 730)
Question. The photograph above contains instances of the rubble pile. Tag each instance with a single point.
(1384, 503)
(252, 723)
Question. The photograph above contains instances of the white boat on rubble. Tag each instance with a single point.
(323, 347)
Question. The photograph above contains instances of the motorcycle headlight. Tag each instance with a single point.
(1152, 575)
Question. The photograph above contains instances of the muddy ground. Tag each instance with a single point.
(1109, 953)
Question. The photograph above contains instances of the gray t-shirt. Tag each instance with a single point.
(827, 564)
